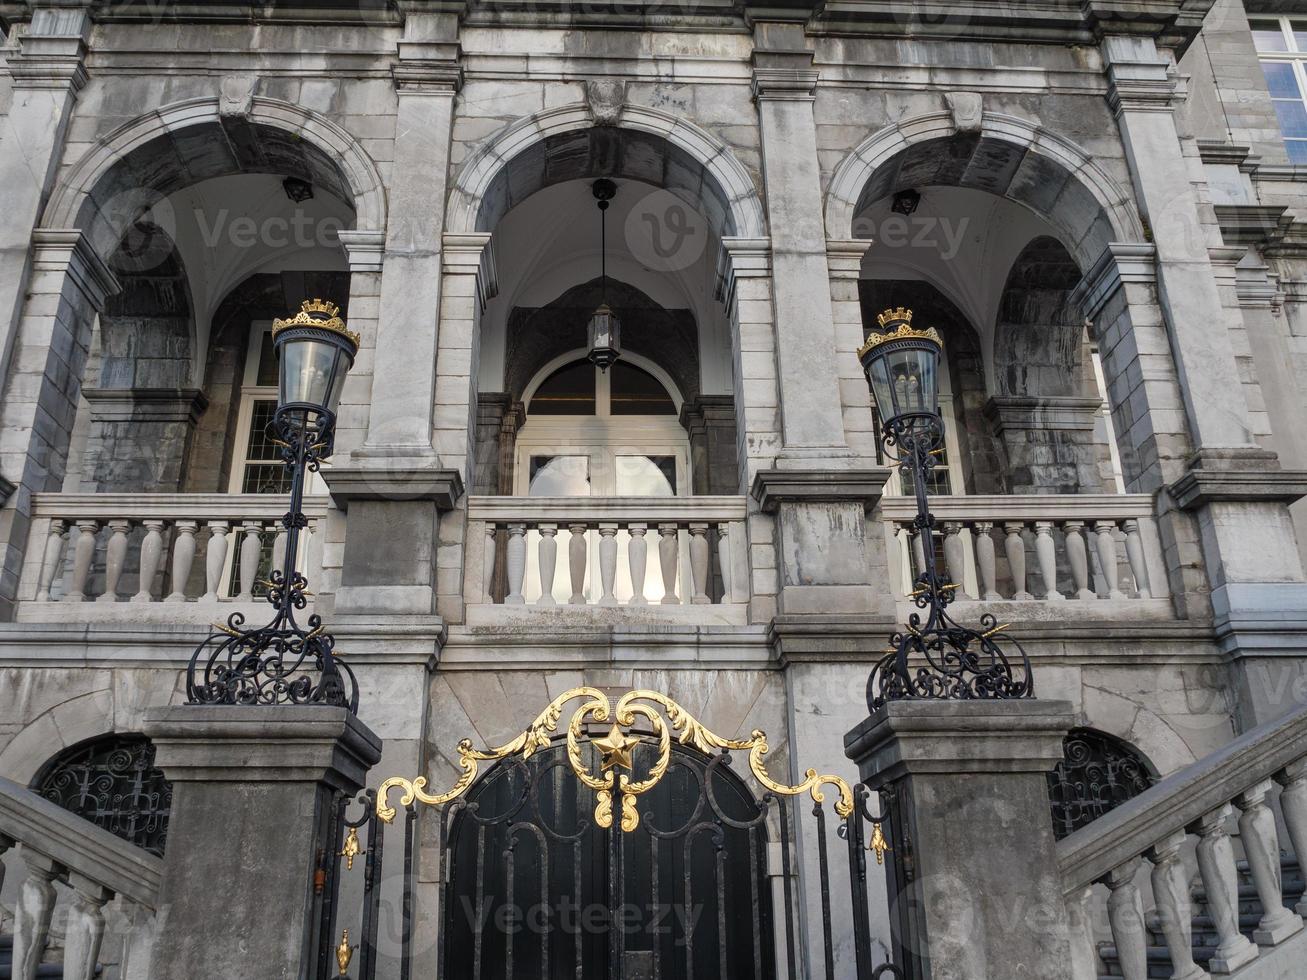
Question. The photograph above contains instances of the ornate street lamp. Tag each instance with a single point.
(937, 658)
(284, 662)
(604, 330)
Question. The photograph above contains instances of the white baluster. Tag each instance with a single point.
(1084, 951)
(1175, 906)
(151, 557)
(668, 548)
(1216, 865)
(115, 556)
(986, 567)
(724, 560)
(278, 549)
(54, 549)
(637, 556)
(215, 559)
(1078, 558)
(84, 929)
(515, 560)
(139, 937)
(1046, 555)
(547, 553)
(1015, 548)
(1106, 543)
(1261, 847)
(576, 561)
(1125, 914)
(699, 564)
(32, 914)
(488, 564)
(608, 562)
(251, 551)
(955, 557)
(183, 554)
(1134, 550)
(1293, 807)
(83, 552)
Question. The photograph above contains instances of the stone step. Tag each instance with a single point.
(1158, 962)
(44, 970)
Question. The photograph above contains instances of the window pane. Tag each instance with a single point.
(1293, 118)
(559, 476)
(1280, 79)
(266, 373)
(1300, 33)
(1297, 150)
(264, 471)
(1267, 36)
(646, 476)
(568, 391)
(637, 392)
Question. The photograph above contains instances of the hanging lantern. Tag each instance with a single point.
(604, 332)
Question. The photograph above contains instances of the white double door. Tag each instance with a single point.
(585, 457)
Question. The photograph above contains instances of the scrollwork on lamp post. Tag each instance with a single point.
(934, 657)
(285, 662)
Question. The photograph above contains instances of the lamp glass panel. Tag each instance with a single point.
(309, 369)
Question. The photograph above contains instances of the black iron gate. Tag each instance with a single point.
(625, 847)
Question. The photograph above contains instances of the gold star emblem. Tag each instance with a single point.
(616, 748)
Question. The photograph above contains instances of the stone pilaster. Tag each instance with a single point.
(1049, 440)
(47, 73)
(710, 422)
(427, 77)
(66, 289)
(829, 554)
(784, 80)
(252, 792)
(139, 438)
(970, 814)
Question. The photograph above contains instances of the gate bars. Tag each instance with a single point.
(616, 786)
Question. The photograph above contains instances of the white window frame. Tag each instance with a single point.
(1293, 55)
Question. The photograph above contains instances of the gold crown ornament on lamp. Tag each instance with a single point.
(317, 313)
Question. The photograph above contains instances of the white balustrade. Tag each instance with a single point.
(1080, 546)
(1183, 824)
(112, 548)
(611, 551)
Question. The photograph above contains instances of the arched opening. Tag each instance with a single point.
(1098, 773)
(533, 880)
(111, 780)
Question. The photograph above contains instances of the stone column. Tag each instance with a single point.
(427, 77)
(252, 788)
(47, 74)
(970, 783)
(812, 422)
(710, 422)
(1235, 489)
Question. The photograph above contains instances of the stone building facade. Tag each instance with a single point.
(1096, 203)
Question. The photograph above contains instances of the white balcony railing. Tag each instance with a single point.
(113, 552)
(607, 551)
(1039, 547)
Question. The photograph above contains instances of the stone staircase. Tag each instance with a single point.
(7, 959)
(1205, 935)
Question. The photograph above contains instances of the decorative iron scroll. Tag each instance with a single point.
(1096, 775)
(114, 783)
(666, 719)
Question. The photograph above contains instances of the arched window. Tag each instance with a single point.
(112, 782)
(580, 388)
(1096, 775)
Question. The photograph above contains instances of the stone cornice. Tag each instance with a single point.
(69, 251)
(785, 84)
(1120, 264)
(1249, 477)
(348, 482)
(1253, 224)
(771, 488)
(146, 404)
(51, 53)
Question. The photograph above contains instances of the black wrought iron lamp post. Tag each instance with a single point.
(285, 662)
(934, 657)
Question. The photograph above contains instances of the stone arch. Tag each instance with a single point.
(564, 143)
(1009, 157)
(275, 137)
(1039, 335)
(59, 727)
(1099, 771)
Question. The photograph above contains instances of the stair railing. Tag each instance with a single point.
(58, 846)
(1152, 828)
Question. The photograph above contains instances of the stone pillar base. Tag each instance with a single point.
(252, 788)
(971, 821)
